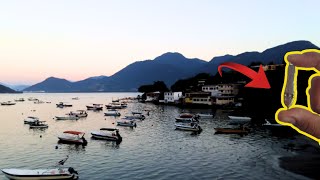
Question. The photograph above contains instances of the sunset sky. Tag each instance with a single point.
(76, 39)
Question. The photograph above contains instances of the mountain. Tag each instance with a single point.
(52, 84)
(273, 55)
(168, 67)
(4, 89)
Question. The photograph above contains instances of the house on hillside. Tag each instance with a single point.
(172, 97)
(222, 89)
(198, 98)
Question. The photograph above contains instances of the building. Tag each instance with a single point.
(172, 97)
(271, 67)
(222, 89)
(223, 100)
(199, 98)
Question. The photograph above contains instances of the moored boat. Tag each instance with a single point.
(95, 107)
(63, 104)
(19, 100)
(185, 117)
(111, 134)
(235, 120)
(68, 117)
(126, 122)
(39, 124)
(30, 119)
(78, 113)
(188, 126)
(74, 137)
(8, 103)
(112, 113)
(136, 116)
(204, 116)
(240, 131)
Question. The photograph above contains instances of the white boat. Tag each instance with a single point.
(67, 117)
(114, 106)
(39, 124)
(112, 113)
(185, 117)
(39, 174)
(32, 99)
(74, 137)
(75, 98)
(204, 116)
(125, 122)
(78, 113)
(8, 103)
(19, 100)
(38, 102)
(136, 116)
(95, 107)
(30, 119)
(188, 126)
(236, 120)
(107, 134)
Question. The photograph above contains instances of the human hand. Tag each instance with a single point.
(305, 119)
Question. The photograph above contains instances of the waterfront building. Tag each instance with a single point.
(172, 97)
(152, 96)
(222, 89)
(199, 98)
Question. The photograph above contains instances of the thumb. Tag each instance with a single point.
(302, 119)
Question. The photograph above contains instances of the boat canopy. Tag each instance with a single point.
(73, 132)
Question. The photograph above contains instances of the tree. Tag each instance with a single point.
(156, 86)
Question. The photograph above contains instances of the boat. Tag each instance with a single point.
(19, 100)
(69, 117)
(186, 117)
(188, 126)
(111, 134)
(57, 172)
(75, 98)
(95, 107)
(134, 112)
(38, 102)
(124, 105)
(63, 104)
(204, 116)
(8, 103)
(240, 131)
(136, 116)
(74, 137)
(234, 120)
(126, 122)
(30, 119)
(78, 113)
(112, 113)
(39, 124)
(32, 99)
(114, 106)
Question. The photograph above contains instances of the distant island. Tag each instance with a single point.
(169, 68)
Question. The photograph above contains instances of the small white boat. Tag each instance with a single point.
(30, 119)
(204, 116)
(188, 126)
(39, 174)
(38, 102)
(236, 120)
(32, 99)
(8, 103)
(111, 134)
(114, 106)
(74, 137)
(185, 117)
(78, 113)
(75, 98)
(19, 100)
(112, 113)
(95, 107)
(70, 117)
(38, 124)
(125, 122)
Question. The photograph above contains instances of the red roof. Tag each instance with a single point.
(74, 132)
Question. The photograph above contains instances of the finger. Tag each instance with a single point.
(302, 119)
(314, 93)
(308, 60)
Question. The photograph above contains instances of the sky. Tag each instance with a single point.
(77, 39)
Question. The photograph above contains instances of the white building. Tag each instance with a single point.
(221, 89)
(172, 97)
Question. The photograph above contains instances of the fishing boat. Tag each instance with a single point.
(38, 124)
(188, 126)
(235, 120)
(8, 103)
(42, 174)
(240, 131)
(68, 117)
(111, 134)
(74, 137)
(63, 104)
(126, 122)
(78, 113)
(30, 119)
(185, 117)
(112, 113)
(114, 106)
(95, 107)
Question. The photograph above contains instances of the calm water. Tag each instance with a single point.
(153, 150)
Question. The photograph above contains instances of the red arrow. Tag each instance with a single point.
(259, 80)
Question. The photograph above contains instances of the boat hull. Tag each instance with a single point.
(186, 127)
(98, 135)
